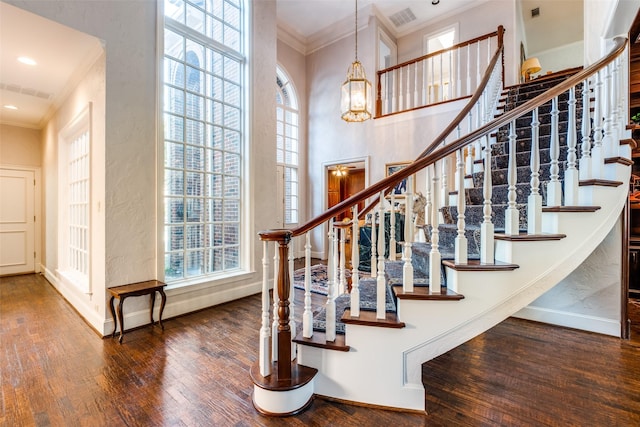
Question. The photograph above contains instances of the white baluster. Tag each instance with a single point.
(434, 255)
(441, 92)
(444, 191)
(597, 155)
(343, 261)
(461, 244)
(458, 75)
(616, 107)
(427, 197)
(585, 158)
(477, 66)
(607, 142)
(335, 277)
(394, 91)
(554, 188)
(416, 97)
(407, 267)
(374, 259)
(408, 97)
(511, 214)
(424, 83)
(355, 263)
(330, 305)
(265, 332)
(276, 298)
(432, 99)
(380, 279)
(470, 149)
(468, 88)
(307, 315)
(486, 228)
(392, 230)
(571, 173)
(450, 75)
(534, 203)
(383, 92)
(400, 91)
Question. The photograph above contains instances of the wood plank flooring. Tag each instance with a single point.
(55, 371)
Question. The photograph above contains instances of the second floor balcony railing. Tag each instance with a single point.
(440, 76)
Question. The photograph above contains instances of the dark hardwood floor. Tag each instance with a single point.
(55, 371)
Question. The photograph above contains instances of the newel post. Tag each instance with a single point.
(282, 237)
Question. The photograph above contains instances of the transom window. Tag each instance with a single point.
(287, 125)
(204, 110)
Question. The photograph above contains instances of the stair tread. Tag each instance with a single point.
(422, 293)
(476, 265)
(368, 318)
(319, 340)
(524, 237)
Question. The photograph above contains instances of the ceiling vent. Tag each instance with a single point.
(403, 17)
(535, 12)
(25, 90)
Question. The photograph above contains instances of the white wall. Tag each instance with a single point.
(128, 30)
(20, 146)
(89, 90)
(560, 58)
(473, 22)
(589, 298)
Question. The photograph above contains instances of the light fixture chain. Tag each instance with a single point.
(356, 27)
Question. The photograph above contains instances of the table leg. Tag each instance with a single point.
(152, 296)
(162, 303)
(121, 318)
(115, 319)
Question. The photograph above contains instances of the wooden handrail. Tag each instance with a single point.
(465, 110)
(439, 52)
(433, 156)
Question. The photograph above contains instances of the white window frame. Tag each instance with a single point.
(240, 249)
(74, 198)
(288, 146)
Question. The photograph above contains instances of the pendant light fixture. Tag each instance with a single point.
(355, 103)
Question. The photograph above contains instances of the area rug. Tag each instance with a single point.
(318, 278)
(368, 291)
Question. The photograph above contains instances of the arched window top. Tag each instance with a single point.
(285, 94)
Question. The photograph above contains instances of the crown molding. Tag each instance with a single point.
(292, 38)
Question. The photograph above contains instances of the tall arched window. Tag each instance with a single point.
(203, 91)
(288, 144)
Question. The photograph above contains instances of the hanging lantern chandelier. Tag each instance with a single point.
(355, 103)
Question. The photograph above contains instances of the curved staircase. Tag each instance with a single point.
(548, 202)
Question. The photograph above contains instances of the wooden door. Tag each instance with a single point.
(17, 221)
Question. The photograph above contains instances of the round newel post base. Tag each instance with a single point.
(278, 397)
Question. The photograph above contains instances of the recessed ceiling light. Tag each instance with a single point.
(27, 60)
(10, 107)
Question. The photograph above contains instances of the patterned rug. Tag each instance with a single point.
(368, 291)
(318, 278)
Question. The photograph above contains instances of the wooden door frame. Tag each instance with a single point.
(325, 189)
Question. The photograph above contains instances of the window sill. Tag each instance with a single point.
(206, 282)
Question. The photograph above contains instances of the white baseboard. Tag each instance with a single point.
(77, 299)
(571, 320)
(179, 303)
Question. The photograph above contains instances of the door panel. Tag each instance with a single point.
(17, 222)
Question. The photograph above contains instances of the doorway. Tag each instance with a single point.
(343, 181)
(17, 221)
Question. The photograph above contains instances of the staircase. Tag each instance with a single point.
(528, 223)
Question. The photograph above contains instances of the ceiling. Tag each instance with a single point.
(63, 55)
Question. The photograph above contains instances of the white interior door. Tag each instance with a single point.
(17, 221)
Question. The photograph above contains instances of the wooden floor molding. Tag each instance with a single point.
(57, 372)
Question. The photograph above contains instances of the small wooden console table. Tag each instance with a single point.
(149, 287)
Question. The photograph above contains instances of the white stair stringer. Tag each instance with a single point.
(384, 366)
